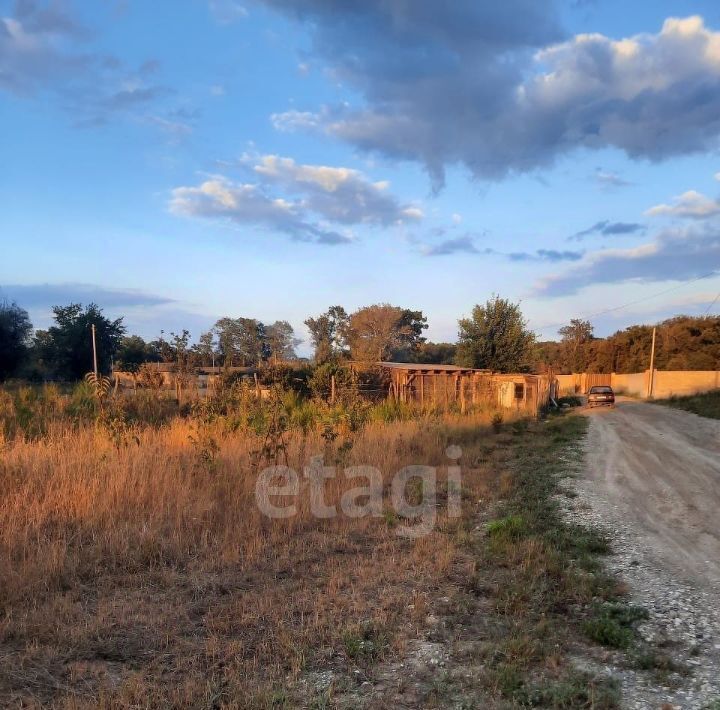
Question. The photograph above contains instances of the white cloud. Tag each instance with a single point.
(248, 204)
(339, 194)
(674, 255)
(307, 202)
(690, 204)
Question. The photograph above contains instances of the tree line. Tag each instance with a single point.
(681, 343)
(495, 337)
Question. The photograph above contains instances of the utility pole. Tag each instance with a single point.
(95, 370)
(652, 366)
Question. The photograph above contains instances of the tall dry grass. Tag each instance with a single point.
(137, 570)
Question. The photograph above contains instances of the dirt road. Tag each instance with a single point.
(661, 468)
(652, 482)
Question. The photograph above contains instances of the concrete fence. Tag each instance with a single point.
(665, 383)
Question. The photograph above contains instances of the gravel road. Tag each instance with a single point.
(652, 481)
(661, 466)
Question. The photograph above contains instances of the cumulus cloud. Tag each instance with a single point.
(675, 255)
(496, 86)
(297, 199)
(606, 228)
(690, 204)
(341, 195)
(47, 295)
(250, 205)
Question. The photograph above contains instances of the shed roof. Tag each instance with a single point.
(428, 367)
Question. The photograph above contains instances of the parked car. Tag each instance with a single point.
(601, 395)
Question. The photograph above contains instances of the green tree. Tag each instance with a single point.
(434, 354)
(15, 330)
(381, 332)
(328, 334)
(575, 338)
(133, 353)
(161, 349)
(241, 341)
(67, 346)
(281, 341)
(205, 350)
(496, 338)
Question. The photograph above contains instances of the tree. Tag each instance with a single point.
(435, 354)
(328, 334)
(281, 341)
(15, 330)
(205, 349)
(495, 338)
(241, 341)
(67, 346)
(161, 349)
(133, 353)
(574, 339)
(381, 331)
(683, 343)
(179, 344)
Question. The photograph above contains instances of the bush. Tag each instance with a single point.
(612, 624)
(288, 377)
(320, 382)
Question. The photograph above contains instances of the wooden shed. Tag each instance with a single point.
(450, 385)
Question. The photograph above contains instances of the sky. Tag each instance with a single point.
(178, 161)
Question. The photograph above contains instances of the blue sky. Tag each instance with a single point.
(179, 161)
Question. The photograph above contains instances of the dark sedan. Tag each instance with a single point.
(601, 395)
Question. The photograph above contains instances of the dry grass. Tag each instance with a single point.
(705, 405)
(137, 570)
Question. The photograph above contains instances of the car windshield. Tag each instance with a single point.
(601, 390)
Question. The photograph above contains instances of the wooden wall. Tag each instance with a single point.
(464, 389)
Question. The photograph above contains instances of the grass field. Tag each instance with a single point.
(138, 571)
(706, 405)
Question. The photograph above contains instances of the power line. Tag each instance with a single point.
(715, 300)
(638, 300)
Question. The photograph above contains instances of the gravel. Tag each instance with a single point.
(684, 621)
